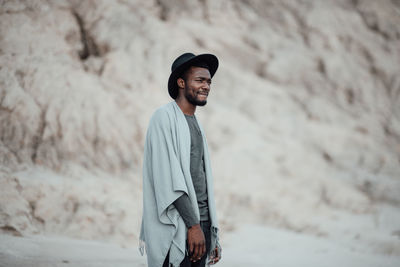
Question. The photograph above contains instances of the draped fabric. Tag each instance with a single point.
(166, 176)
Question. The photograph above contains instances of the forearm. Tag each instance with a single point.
(185, 209)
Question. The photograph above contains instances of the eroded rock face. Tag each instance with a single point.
(303, 120)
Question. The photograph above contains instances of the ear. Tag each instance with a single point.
(181, 83)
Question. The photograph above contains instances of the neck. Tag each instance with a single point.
(186, 107)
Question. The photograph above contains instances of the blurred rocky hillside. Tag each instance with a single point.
(303, 119)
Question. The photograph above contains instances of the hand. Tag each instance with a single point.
(196, 242)
(215, 255)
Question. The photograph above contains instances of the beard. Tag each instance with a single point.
(193, 100)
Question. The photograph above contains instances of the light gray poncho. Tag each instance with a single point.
(166, 176)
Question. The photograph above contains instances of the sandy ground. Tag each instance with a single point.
(251, 245)
(39, 251)
(255, 245)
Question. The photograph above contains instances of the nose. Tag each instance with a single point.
(206, 86)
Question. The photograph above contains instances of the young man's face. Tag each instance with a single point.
(197, 85)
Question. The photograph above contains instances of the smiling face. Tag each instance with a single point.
(195, 85)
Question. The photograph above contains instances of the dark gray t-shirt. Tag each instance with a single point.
(197, 166)
(197, 172)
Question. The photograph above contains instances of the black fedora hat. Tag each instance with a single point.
(183, 62)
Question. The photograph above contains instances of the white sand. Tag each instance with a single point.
(37, 251)
(254, 245)
(250, 245)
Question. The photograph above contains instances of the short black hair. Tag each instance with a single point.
(200, 64)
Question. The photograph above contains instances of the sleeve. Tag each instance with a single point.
(185, 209)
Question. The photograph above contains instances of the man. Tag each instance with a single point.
(179, 224)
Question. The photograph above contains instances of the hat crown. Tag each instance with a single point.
(181, 59)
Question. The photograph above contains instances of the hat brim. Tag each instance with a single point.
(209, 59)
